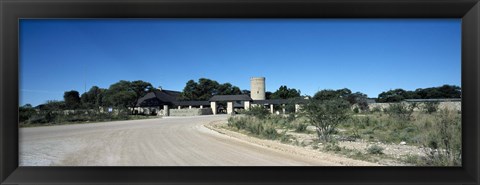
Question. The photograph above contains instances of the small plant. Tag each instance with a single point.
(412, 159)
(401, 111)
(300, 127)
(356, 110)
(376, 109)
(375, 149)
(332, 147)
(430, 107)
(284, 137)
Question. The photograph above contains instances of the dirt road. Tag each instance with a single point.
(172, 141)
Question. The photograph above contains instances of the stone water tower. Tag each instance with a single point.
(257, 88)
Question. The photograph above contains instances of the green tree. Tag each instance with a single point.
(72, 99)
(268, 95)
(52, 105)
(205, 88)
(326, 115)
(326, 94)
(246, 92)
(92, 98)
(358, 98)
(285, 93)
(140, 88)
(25, 112)
(190, 91)
(329, 94)
(395, 95)
(126, 94)
(445, 91)
(227, 89)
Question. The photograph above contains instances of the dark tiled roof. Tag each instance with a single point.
(275, 101)
(158, 98)
(242, 97)
(192, 103)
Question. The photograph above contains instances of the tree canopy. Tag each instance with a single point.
(205, 88)
(72, 99)
(93, 98)
(285, 93)
(397, 95)
(344, 94)
(126, 94)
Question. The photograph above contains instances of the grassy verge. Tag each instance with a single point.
(437, 134)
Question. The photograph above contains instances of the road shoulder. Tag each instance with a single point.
(276, 145)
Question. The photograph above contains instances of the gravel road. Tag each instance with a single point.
(171, 141)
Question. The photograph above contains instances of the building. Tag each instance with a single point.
(166, 102)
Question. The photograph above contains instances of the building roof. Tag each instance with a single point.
(158, 97)
(280, 101)
(192, 103)
(275, 101)
(241, 97)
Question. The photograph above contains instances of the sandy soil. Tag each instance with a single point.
(172, 141)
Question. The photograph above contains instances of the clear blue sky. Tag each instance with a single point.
(366, 55)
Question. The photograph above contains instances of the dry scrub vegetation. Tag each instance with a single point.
(394, 136)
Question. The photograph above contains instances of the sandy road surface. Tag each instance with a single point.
(154, 142)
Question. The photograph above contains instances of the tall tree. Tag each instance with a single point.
(228, 89)
(328, 94)
(205, 88)
(72, 99)
(126, 94)
(445, 91)
(190, 91)
(285, 93)
(395, 95)
(92, 98)
(140, 88)
(246, 92)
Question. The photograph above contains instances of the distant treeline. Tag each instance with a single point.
(397, 95)
(124, 94)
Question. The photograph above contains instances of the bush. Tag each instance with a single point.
(412, 159)
(444, 144)
(430, 107)
(376, 109)
(356, 110)
(375, 149)
(325, 115)
(254, 126)
(300, 127)
(401, 111)
(258, 111)
(332, 147)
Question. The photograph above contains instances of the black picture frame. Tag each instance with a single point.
(12, 10)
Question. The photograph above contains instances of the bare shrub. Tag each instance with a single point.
(325, 115)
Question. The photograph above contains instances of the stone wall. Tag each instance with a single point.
(456, 105)
(190, 112)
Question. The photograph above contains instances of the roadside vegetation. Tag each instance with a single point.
(115, 102)
(331, 123)
(95, 105)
